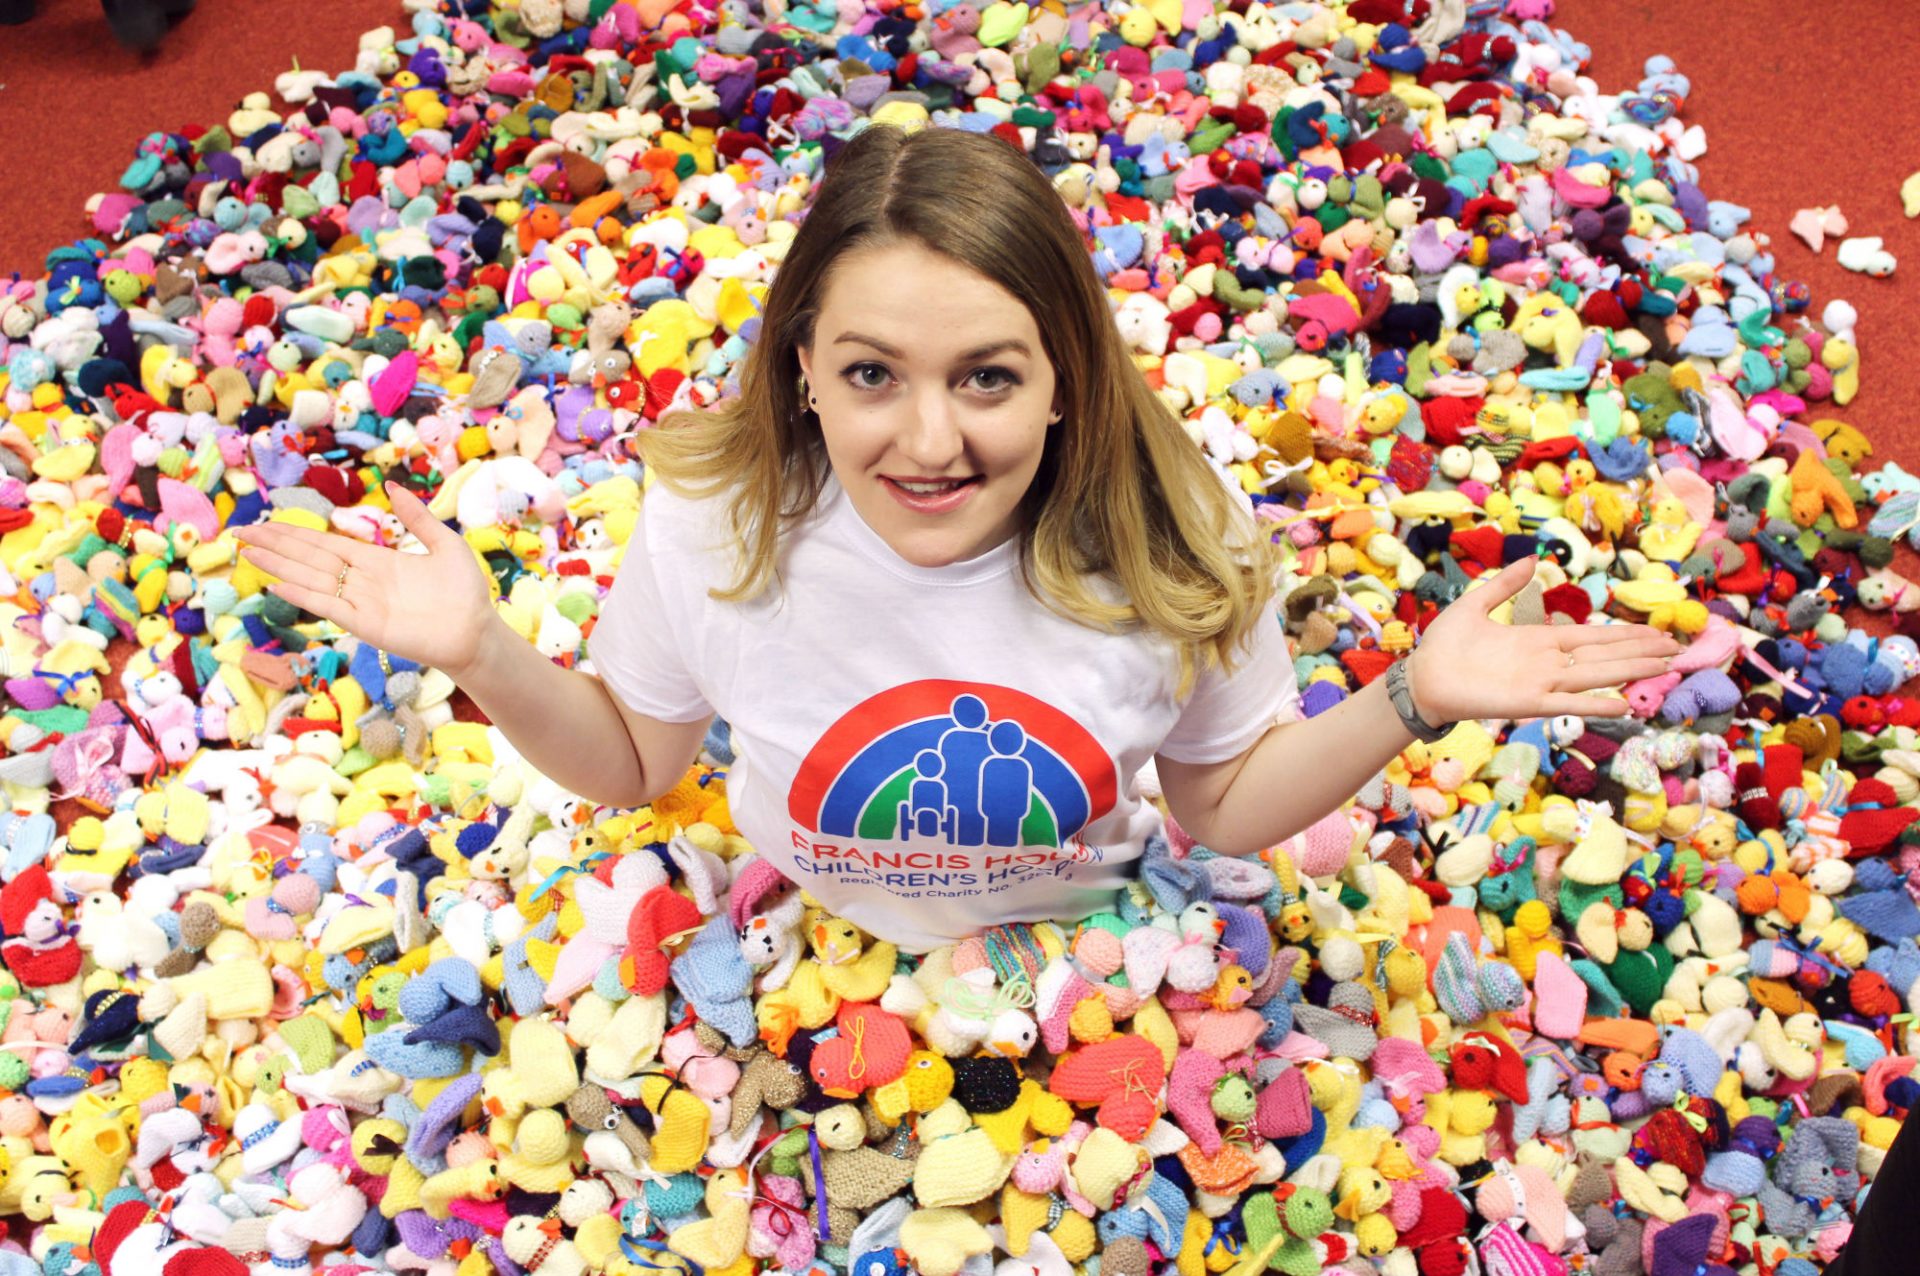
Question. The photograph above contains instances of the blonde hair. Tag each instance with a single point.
(1121, 491)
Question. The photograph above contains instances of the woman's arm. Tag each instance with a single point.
(568, 725)
(1468, 666)
(1293, 775)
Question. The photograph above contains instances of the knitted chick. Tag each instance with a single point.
(807, 1001)
(1027, 1204)
(957, 1014)
(1530, 935)
(475, 1181)
(540, 1160)
(719, 1239)
(538, 1246)
(766, 1080)
(959, 1163)
(924, 1086)
(376, 1145)
(682, 1123)
(849, 969)
(940, 1241)
(1033, 1107)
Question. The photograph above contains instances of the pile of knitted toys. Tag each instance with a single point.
(307, 972)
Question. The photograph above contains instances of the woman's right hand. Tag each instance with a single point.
(434, 608)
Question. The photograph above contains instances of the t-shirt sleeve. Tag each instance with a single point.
(637, 645)
(1227, 713)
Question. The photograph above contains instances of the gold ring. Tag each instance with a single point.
(1569, 660)
(340, 583)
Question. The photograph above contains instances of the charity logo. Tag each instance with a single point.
(960, 764)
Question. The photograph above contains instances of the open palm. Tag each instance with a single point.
(428, 607)
(1470, 666)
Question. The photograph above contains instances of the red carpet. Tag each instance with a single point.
(1787, 97)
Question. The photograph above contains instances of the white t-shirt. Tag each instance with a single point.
(928, 751)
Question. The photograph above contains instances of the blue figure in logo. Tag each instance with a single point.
(1006, 780)
(973, 788)
(926, 813)
(963, 749)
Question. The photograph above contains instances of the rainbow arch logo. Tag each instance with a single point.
(959, 764)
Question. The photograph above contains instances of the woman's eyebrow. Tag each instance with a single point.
(978, 352)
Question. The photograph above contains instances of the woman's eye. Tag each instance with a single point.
(1003, 380)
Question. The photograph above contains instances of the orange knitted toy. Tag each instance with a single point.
(1122, 1074)
(871, 1051)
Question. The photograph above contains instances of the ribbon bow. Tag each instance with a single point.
(1587, 813)
(91, 756)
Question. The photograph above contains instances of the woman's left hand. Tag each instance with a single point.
(1470, 666)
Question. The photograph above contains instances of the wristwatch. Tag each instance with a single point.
(1401, 694)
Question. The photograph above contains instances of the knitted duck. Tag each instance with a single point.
(926, 1083)
(870, 1050)
(841, 968)
(959, 1163)
(540, 1249)
(849, 968)
(1027, 1204)
(683, 1123)
(957, 1014)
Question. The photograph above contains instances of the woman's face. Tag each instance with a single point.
(927, 371)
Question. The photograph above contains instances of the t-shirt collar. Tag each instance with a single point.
(838, 510)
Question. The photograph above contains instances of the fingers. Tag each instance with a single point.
(1584, 706)
(1569, 637)
(323, 550)
(298, 571)
(1657, 647)
(1504, 584)
(1610, 673)
(320, 603)
(417, 518)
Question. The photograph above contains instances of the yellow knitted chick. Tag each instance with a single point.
(1361, 1194)
(939, 1242)
(598, 1240)
(924, 1086)
(1462, 1118)
(1198, 1255)
(540, 1161)
(812, 994)
(1671, 534)
(1530, 935)
(94, 1141)
(958, 1163)
(475, 1181)
(719, 1239)
(404, 1182)
(1026, 1202)
(683, 1123)
(1036, 1107)
(855, 972)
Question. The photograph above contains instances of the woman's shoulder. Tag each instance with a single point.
(679, 513)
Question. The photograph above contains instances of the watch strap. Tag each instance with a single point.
(1401, 694)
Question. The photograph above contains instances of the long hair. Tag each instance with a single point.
(1121, 492)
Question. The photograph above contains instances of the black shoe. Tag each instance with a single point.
(138, 24)
(15, 12)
